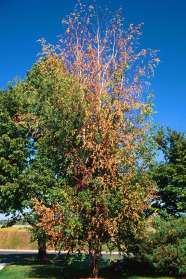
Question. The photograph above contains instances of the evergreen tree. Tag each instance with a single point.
(170, 174)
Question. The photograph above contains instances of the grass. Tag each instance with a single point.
(45, 272)
(16, 238)
(29, 268)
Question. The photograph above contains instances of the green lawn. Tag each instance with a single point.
(60, 270)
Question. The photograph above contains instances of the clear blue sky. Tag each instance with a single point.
(23, 22)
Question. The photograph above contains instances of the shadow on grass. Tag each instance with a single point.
(60, 269)
(15, 258)
(56, 270)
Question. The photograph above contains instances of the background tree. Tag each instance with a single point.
(30, 166)
(15, 149)
(163, 239)
(101, 199)
(170, 174)
(163, 245)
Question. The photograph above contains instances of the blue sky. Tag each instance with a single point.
(23, 22)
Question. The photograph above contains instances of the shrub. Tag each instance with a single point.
(164, 247)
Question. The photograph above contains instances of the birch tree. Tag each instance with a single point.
(107, 192)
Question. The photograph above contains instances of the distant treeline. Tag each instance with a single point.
(20, 222)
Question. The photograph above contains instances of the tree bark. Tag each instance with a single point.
(40, 240)
(41, 250)
(94, 259)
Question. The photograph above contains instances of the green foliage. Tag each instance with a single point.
(170, 175)
(164, 245)
(15, 148)
(31, 112)
(41, 107)
(57, 103)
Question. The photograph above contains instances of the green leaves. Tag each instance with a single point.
(170, 175)
(164, 245)
(14, 147)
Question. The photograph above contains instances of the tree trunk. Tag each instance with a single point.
(40, 240)
(41, 250)
(94, 259)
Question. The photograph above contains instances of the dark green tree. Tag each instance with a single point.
(170, 174)
(34, 111)
(163, 245)
(16, 153)
(15, 149)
